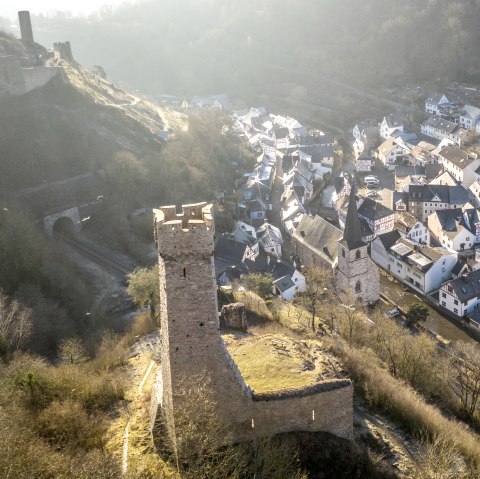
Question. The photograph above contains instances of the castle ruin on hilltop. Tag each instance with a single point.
(191, 345)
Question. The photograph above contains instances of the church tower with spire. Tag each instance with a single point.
(356, 272)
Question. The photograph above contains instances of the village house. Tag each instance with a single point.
(245, 233)
(474, 194)
(391, 152)
(434, 103)
(363, 161)
(270, 239)
(361, 126)
(389, 124)
(455, 229)
(228, 252)
(461, 297)
(370, 137)
(314, 242)
(300, 179)
(292, 210)
(461, 165)
(423, 268)
(409, 227)
(421, 154)
(400, 201)
(424, 200)
(378, 217)
(444, 178)
(440, 129)
(470, 118)
(342, 187)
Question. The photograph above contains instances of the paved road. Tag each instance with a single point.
(386, 188)
(436, 322)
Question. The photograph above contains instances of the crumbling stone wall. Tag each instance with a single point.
(63, 50)
(234, 316)
(11, 76)
(191, 345)
(16, 80)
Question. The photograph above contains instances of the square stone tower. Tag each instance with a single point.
(190, 341)
(356, 272)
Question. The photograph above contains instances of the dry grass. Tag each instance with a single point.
(269, 366)
(403, 404)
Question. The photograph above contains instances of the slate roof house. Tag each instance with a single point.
(423, 268)
(463, 167)
(425, 199)
(389, 124)
(455, 229)
(461, 297)
(409, 227)
(379, 218)
(440, 129)
(228, 252)
(270, 239)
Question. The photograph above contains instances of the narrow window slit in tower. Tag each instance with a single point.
(184, 272)
(253, 423)
(313, 414)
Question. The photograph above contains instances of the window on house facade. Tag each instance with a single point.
(443, 303)
(455, 310)
(455, 302)
(444, 295)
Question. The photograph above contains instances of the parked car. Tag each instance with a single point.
(393, 313)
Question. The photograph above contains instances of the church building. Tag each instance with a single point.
(356, 272)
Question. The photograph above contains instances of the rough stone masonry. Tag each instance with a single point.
(191, 345)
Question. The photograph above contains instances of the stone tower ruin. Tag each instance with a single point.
(192, 347)
(25, 26)
(356, 271)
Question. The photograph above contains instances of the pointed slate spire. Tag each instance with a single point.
(352, 234)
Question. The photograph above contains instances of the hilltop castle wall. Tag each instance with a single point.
(16, 80)
(192, 348)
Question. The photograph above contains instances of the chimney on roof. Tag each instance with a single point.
(25, 26)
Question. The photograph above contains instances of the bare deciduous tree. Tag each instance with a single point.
(464, 378)
(317, 292)
(15, 325)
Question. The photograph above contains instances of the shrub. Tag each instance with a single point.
(67, 424)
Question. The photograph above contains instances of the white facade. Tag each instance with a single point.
(466, 174)
(469, 117)
(419, 233)
(442, 129)
(406, 269)
(388, 126)
(389, 152)
(459, 240)
(432, 104)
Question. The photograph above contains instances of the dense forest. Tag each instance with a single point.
(209, 46)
